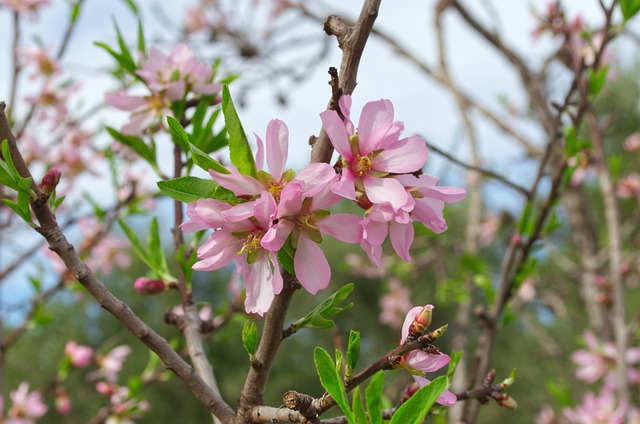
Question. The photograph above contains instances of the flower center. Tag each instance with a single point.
(361, 165)
(251, 243)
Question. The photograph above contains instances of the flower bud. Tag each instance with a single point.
(144, 285)
(50, 181)
(420, 322)
(508, 402)
(62, 402)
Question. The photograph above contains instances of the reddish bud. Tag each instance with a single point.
(516, 239)
(420, 322)
(508, 402)
(50, 181)
(62, 402)
(144, 285)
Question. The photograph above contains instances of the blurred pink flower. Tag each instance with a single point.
(632, 143)
(425, 362)
(394, 303)
(629, 186)
(54, 97)
(603, 408)
(62, 402)
(196, 19)
(372, 152)
(39, 57)
(108, 252)
(110, 364)
(26, 405)
(144, 109)
(599, 359)
(24, 6)
(305, 218)
(79, 355)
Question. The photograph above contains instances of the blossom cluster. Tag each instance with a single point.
(285, 212)
(169, 78)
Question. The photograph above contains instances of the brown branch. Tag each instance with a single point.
(352, 41)
(50, 230)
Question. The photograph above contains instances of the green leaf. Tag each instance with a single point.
(250, 338)
(18, 210)
(285, 257)
(484, 283)
(189, 189)
(318, 317)
(186, 263)
(358, 410)
(206, 162)
(597, 80)
(239, 149)
(629, 8)
(417, 407)
(456, 355)
(154, 247)
(374, 398)
(332, 382)
(180, 136)
(353, 353)
(142, 45)
(137, 144)
(149, 259)
(75, 11)
(9, 175)
(132, 5)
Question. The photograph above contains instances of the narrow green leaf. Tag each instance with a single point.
(132, 5)
(239, 149)
(416, 408)
(318, 317)
(18, 210)
(358, 410)
(142, 45)
(75, 11)
(250, 337)
(154, 247)
(285, 258)
(186, 263)
(6, 154)
(456, 355)
(136, 143)
(124, 49)
(179, 134)
(338, 361)
(206, 162)
(353, 353)
(374, 398)
(137, 246)
(189, 189)
(332, 382)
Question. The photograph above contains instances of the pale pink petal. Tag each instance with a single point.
(429, 212)
(381, 190)
(220, 260)
(346, 186)
(401, 236)
(334, 127)
(238, 212)
(277, 276)
(427, 362)
(311, 266)
(206, 89)
(633, 355)
(290, 199)
(409, 319)
(277, 147)
(404, 156)
(138, 123)
(316, 177)
(258, 282)
(241, 185)
(325, 198)
(260, 153)
(344, 227)
(175, 90)
(445, 193)
(374, 252)
(122, 101)
(277, 235)
(375, 120)
(446, 398)
(374, 232)
(345, 108)
(265, 210)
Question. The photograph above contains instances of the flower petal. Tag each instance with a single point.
(344, 227)
(381, 190)
(310, 265)
(335, 129)
(404, 156)
(241, 185)
(375, 120)
(277, 147)
(316, 177)
(401, 236)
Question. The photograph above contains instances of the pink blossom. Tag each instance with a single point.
(39, 57)
(62, 401)
(205, 313)
(425, 362)
(394, 303)
(111, 364)
(305, 218)
(315, 176)
(196, 20)
(425, 204)
(144, 109)
(24, 6)
(239, 231)
(629, 186)
(26, 405)
(79, 355)
(599, 359)
(370, 155)
(632, 143)
(54, 97)
(602, 408)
